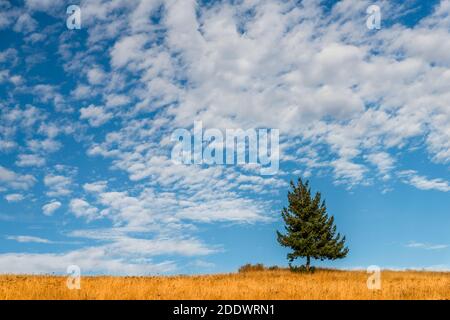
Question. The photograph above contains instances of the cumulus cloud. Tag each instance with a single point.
(82, 209)
(95, 187)
(14, 180)
(45, 146)
(58, 185)
(30, 160)
(14, 197)
(239, 60)
(49, 208)
(96, 116)
(25, 24)
(96, 76)
(116, 100)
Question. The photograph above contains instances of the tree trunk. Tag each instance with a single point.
(307, 263)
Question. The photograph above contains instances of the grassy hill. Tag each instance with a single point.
(246, 284)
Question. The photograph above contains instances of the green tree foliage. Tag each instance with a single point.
(310, 233)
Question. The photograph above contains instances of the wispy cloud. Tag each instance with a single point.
(28, 239)
(411, 177)
(426, 246)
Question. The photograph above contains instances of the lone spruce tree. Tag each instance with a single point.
(310, 233)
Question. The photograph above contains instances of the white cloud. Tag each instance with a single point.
(116, 100)
(120, 255)
(30, 160)
(51, 207)
(127, 49)
(28, 239)
(45, 146)
(95, 187)
(82, 209)
(95, 115)
(203, 264)
(121, 243)
(382, 160)
(14, 180)
(96, 76)
(47, 93)
(51, 130)
(411, 177)
(184, 247)
(7, 14)
(82, 92)
(25, 24)
(90, 260)
(348, 171)
(58, 185)
(8, 54)
(25, 117)
(14, 197)
(40, 5)
(287, 81)
(7, 145)
(314, 75)
(426, 246)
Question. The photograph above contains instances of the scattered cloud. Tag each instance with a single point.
(58, 185)
(49, 208)
(95, 187)
(82, 209)
(96, 76)
(30, 160)
(411, 177)
(14, 180)
(383, 161)
(14, 197)
(90, 260)
(28, 239)
(426, 246)
(25, 24)
(95, 115)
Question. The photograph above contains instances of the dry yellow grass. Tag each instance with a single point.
(277, 284)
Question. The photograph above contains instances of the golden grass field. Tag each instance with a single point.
(276, 284)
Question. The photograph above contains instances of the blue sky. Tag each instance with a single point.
(86, 118)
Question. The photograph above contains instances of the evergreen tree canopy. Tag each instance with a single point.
(310, 233)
